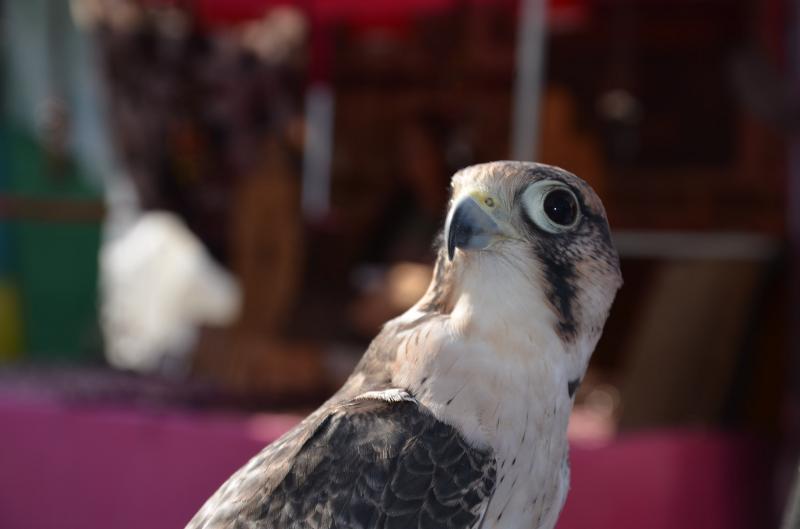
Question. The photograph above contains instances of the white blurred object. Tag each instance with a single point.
(158, 284)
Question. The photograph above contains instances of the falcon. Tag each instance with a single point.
(456, 416)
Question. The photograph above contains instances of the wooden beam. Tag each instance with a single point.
(17, 207)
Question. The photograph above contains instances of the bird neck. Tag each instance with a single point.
(487, 296)
(483, 294)
(493, 364)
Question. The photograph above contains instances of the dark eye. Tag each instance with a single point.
(551, 205)
(560, 207)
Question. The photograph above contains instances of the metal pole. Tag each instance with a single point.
(318, 154)
(530, 52)
(791, 519)
(320, 113)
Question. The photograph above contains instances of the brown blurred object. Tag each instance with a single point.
(267, 257)
(684, 349)
(389, 296)
(563, 144)
(267, 244)
(262, 368)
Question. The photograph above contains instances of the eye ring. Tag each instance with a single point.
(552, 206)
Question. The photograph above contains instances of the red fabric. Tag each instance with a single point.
(380, 10)
(71, 467)
(227, 12)
(224, 12)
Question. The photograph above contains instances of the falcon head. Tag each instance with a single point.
(529, 237)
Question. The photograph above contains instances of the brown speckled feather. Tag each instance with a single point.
(367, 464)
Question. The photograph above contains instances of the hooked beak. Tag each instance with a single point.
(469, 226)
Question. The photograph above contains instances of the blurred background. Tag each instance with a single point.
(209, 207)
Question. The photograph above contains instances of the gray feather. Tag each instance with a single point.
(368, 464)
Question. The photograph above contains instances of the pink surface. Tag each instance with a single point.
(65, 468)
(670, 480)
(84, 468)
